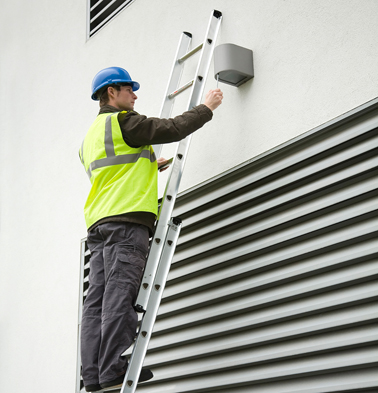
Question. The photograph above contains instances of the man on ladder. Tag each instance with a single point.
(120, 213)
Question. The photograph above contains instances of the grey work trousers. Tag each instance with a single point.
(109, 322)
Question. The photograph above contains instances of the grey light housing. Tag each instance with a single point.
(233, 63)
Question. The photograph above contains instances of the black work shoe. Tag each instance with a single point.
(93, 388)
(145, 375)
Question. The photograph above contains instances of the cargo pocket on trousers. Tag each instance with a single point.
(129, 270)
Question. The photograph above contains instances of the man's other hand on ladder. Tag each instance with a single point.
(213, 99)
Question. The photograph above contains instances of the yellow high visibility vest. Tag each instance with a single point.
(124, 178)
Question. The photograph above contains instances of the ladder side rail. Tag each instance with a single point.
(205, 59)
(145, 331)
(175, 175)
(174, 80)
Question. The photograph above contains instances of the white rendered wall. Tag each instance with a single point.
(314, 60)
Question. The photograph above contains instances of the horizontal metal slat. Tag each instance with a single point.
(239, 312)
(277, 274)
(362, 380)
(282, 351)
(304, 172)
(313, 148)
(327, 191)
(318, 364)
(290, 213)
(291, 234)
(253, 295)
(302, 249)
(95, 3)
(103, 3)
(170, 348)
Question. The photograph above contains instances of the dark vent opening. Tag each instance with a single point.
(102, 11)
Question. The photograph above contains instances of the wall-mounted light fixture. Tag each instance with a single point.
(233, 64)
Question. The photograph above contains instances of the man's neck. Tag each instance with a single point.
(108, 109)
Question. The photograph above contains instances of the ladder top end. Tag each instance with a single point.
(217, 14)
(188, 34)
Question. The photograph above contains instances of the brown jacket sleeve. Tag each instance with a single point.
(138, 130)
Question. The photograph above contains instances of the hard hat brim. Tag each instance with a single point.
(134, 85)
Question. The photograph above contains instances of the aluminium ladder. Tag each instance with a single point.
(168, 229)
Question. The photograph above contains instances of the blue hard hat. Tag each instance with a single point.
(111, 76)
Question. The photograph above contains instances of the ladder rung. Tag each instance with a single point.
(191, 53)
(180, 90)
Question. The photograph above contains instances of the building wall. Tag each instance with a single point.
(314, 60)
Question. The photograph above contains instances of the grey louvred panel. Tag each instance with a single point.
(274, 282)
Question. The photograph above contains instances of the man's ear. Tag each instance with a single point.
(111, 91)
